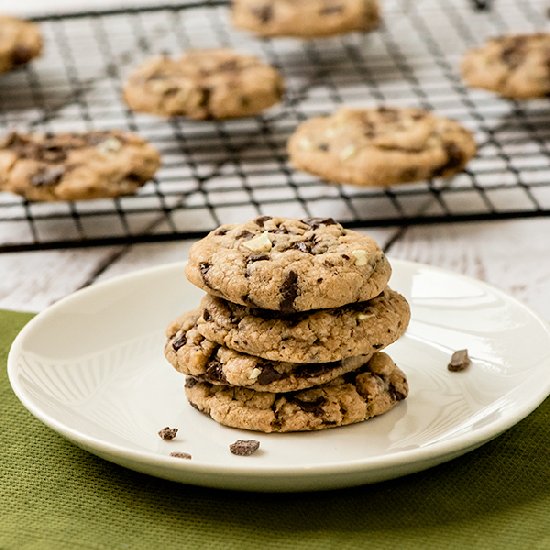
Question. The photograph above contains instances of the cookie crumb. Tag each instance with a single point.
(459, 361)
(168, 433)
(244, 447)
(177, 454)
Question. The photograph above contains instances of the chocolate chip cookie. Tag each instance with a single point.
(288, 265)
(70, 166)
(190, 352)
(380, 147)
(323, 335)
(515, 66)
(371, 391)
(204, 84)
(20, 41)
(306, 18)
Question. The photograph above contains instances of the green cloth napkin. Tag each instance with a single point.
(54, 495)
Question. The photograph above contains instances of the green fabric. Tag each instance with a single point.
(54, 495)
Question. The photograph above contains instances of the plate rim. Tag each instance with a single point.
(356, 466)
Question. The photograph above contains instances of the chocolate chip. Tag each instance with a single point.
(261, 220)
(229, 66)
(377, 346)
(263, 13)
(244, 447)
(179, 342)
(206, 315)
(323, 147)
(289, 291)
(248, 300)
(268, 374)
(410, 174)
(191, 381)
(48, 176)
(459, 361)
(168, 433)
(514, 53)
(314, 223)
(221, 232)
(345, 256)
(179, 454)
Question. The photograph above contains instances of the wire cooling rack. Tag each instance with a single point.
(220, 172)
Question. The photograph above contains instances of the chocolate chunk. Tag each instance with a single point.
(314, 223)
(214, 371)
(179, 454)
(268, 374)
(289, 291)
(263, 13)
(261, 220)
(302, 247)
(20, 55)
(331, 10)
(244, 235)
(48, 176)
(244, 447)
(204, 268)
(314, 407)
(179, 342)
(459, 361)
(257, 258)
(455, 158)
(168, 433)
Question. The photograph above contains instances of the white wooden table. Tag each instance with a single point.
(512, 255)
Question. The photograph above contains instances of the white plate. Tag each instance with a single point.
(92, 368)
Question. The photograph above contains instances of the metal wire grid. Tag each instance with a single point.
(219, 172)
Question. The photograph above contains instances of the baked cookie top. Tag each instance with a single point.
(74, 166)
(190, 352)
(324, 335)
(20, 41)
(204, 84)
(515, 66)
(379, 147)
(370, 391)
(288, 265)
(305, 18)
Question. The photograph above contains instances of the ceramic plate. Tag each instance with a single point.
(92, 368)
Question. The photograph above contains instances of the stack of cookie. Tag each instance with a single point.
(288, 337)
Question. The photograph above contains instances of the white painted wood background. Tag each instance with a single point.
(512, 255)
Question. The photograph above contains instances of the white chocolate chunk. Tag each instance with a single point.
(110, 145)
(254, 373)
(261, 243)
(348, 152)
(360, 257)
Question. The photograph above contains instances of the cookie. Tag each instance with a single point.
(204, 84)
(288, 265)
(20, 41)
(516, 66)
(319, 336)
(71, 166)
(306, 18)
(371, 391)
(190, 353)
(380, 147)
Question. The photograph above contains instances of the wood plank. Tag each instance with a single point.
(513, 255)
